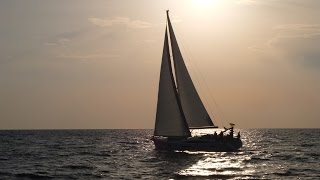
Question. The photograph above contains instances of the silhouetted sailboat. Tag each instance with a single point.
(180, 108)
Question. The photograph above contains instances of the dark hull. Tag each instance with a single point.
(226, 144)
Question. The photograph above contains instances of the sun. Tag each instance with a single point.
(207, 5)
(204, 3)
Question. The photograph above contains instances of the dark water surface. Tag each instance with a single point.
(129, 154)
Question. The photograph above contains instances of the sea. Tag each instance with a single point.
(130, 154)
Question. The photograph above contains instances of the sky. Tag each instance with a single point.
(95, 64)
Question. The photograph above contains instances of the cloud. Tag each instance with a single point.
(286, 32)
(139, 24)
(109, 22)
(50, 44)
(60, 41)
(92, 56)
(297, 43)
(63, 38)
(279, 3)
(299, 27)
(301, 49)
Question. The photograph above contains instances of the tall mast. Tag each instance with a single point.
(169, 40)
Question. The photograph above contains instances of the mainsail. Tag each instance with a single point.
(170, 120)
(193, 108)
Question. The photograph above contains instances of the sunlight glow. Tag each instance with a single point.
(203, 4)
(207, 8)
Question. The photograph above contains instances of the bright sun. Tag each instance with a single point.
(207, 4)
(204, 3)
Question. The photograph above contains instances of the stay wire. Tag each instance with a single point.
(195, 69)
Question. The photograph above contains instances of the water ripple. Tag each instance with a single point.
(129, 154)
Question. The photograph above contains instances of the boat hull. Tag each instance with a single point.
(226, 144)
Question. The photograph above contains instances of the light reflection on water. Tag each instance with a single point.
(265, 154)
(223, 164)
(219, 164)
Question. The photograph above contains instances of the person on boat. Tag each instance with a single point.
(230, 135)
(221, 134)
(238, 136)
(231, 132)
(215, 135)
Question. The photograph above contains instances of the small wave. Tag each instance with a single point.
(78, 167)
(3, 158)
(128, 142)
(287, 173)
(313, 154)
(84, 153)
(5, 173)
(224, 169)
(103, 154)
(257, 159)
(293, 172)
(105, 171)
(33, 176)
(151, 159)
(284, 156)
(301, 159)
(232, 169)
(307, 145)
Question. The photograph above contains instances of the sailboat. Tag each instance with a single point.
(179, 107)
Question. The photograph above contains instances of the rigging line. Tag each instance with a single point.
(219, 112)
(208, 102)
(208, 89)
(196, 78)
(202, 91)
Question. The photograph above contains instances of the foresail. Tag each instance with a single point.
(193, 108)
(170, 121)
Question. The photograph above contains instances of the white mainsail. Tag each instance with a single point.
(193, 108)
(170, 120)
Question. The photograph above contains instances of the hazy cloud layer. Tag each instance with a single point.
(298, 43)
(280, 3)
(63, 38)
(92, 56)
(60, 41)
(108, 22)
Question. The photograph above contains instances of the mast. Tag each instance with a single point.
(170, 34)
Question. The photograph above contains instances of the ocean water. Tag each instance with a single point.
(129, 154)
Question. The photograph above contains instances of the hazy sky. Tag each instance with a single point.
(95, 64)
